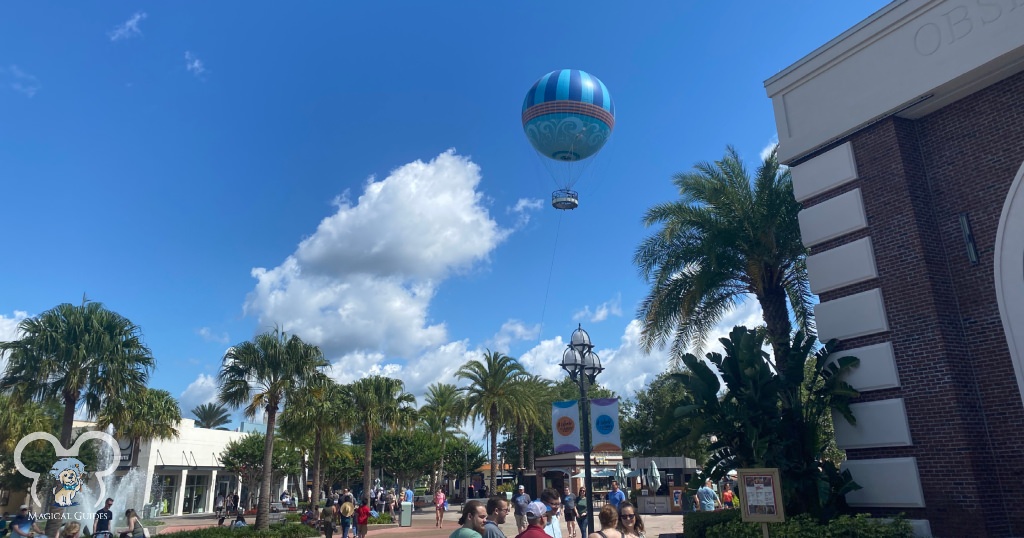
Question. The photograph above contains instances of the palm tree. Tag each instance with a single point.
(17, 421)
(381, 404)
(318, 410)
(442, 414)
(495, 391)
(260, 374)
(73, 354)
(211, 415)
(532, 416)
(151, 414)
(726, 237)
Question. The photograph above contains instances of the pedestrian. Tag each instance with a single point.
(609, 519)
(553, 501)
(23, 526)
(630, 523)
(727, 496)
(345, 514)
(520, 501)
(363, 518)
(569, 510)
(439, 507)
(472, 522)
(497, 511)
(102, 520)
(582, 509)
(706, 497)
(536, 518)
(135, 529)
(71, 530)
(616, 495)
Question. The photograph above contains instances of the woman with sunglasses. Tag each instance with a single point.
(582, 508)
(630, 524)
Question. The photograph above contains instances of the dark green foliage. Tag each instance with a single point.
(461, 457)
(286, 530)
(859, 526)
(648, 425)
(245, 458)
(697, 524)
(406, 455)
(770, 419)
(211, 415)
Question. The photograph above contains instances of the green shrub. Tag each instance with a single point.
(275, 531)
(807, 527)
(696, 524)
(382, 519)
(293, 517)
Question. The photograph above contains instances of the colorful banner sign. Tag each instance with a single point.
(604, 416)
(565, 426)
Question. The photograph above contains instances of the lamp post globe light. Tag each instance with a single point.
(583, 365)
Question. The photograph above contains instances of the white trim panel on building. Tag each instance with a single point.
(825, 172)
(856, 315)
(877, 368)
(928, 51)
(893, 482)
(833, 218)
(844, 265)
(879, 424)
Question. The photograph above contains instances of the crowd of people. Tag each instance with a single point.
(23, 525)
(542, 518)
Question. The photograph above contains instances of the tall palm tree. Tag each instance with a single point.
(729, 235)
(260, 374)
(321, 411)
(76, 354)
(381, 404)
(151, 414)
(495, 391)
(211, 415)
(533, 414)
(442, 414)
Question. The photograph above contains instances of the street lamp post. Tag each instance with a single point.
(583, 365)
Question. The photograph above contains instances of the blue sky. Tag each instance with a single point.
(358, 174)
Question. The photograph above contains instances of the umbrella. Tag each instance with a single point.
(654, 476)
(620, 475)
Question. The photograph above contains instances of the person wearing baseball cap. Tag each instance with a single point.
(519, 503)
(536, 516)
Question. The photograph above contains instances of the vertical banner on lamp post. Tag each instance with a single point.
(565, 424)
(604, 415)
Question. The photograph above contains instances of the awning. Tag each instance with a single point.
(636, 473)
(597, 474)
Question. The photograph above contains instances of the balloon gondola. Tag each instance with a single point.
(567, 116)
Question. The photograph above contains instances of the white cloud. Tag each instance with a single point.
(9, 332)
(194, 65)
(201, 391)
(611, 307)
(20, 81)
(207, 334)
(128, 29)
(523, 209)
(511, 331)
(364, 280)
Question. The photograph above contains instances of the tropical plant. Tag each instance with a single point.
(495, 393)
(211, 415)
(75, 354)
(728, 236)
(151, 414)
(406, 454)
(244, 458)
(648, 425)
(320, 411)
(343, 462)
(382, 404)
(260, 374)
(461, 458)
(442, 414)
(766, 418)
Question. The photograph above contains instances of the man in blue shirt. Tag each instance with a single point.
(706, 497)
(408, 495)
(616, 495)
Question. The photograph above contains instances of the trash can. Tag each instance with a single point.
(406, 518)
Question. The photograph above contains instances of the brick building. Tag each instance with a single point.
(906, 139)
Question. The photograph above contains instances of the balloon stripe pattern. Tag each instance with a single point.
(568, 115)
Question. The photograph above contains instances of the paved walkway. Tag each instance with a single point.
(663, 526)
